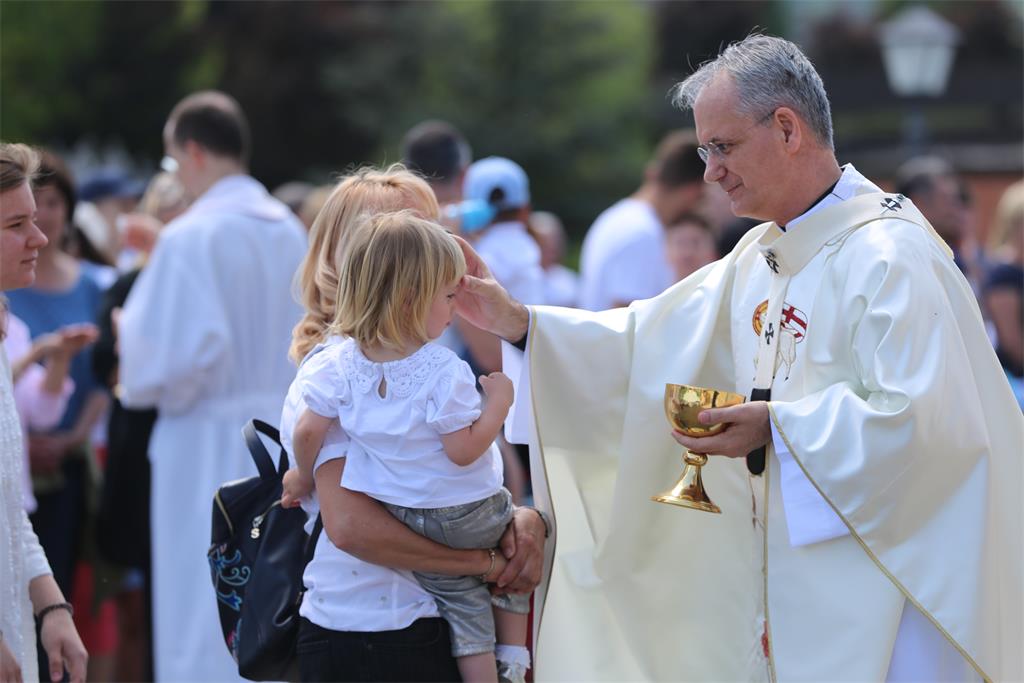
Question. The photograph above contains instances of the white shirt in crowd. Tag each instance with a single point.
(343, 593)
(395, 453)
(561, 286)
(514, 259)
(623, 257)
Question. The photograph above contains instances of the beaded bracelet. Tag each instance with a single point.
(51, 608)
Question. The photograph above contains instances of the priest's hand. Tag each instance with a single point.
(746, 429)
(484, 303)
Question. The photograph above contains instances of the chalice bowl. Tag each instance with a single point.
(683, 403)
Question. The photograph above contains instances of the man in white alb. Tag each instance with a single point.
(204, 338)
(873, 532)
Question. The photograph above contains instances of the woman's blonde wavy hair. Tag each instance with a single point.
(393, 267)
(366, 192)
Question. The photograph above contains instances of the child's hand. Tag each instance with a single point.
(498, 387)
(296, 487)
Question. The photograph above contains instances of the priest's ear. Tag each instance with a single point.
(791, 128)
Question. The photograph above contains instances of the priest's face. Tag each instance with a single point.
(741, 156)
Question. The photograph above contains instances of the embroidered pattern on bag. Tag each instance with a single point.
(228, 571)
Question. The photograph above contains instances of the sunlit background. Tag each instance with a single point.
(574, 91)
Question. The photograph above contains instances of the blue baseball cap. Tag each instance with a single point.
(110, 184)
(497, 173)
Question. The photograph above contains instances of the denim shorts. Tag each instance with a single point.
(465, 601)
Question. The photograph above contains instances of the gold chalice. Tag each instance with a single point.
(683, 404)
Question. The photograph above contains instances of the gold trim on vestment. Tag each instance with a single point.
(764, 571)
(871, 554)
(552, 532)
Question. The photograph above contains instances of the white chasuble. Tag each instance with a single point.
(893, 407)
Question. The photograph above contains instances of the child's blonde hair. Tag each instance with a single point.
(393, 267)
(365, 192)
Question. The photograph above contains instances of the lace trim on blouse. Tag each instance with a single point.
(403, 376)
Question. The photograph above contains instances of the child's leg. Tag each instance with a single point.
(479, 668)
(511, 616)
(510, 627)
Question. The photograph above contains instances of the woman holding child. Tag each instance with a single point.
(365, 616)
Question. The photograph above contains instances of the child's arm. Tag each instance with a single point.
(466, 445)
(307, 440)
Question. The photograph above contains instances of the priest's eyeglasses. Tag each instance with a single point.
(720, 150)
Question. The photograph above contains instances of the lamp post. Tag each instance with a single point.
(917, 49)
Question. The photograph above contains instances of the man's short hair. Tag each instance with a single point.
(215, 121)
(918, 176)
(675, 162)
(768, 73)
(436, 150)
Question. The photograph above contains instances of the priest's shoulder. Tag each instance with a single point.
(894, 240)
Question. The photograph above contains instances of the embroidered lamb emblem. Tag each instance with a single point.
(791, 333)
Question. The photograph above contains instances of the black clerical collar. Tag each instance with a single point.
(818, 200)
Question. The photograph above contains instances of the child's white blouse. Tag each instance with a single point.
(395, 453)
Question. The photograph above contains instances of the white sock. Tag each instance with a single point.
(513, 655)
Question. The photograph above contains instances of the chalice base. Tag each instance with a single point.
(689, 491)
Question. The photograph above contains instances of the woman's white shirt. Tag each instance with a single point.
(21, 556)
(395, 452)
(343, 593)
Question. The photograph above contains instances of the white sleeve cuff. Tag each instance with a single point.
(809, 517)
(516, 364)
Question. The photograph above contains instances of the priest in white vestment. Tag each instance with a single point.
(883, 538)
(204, 338)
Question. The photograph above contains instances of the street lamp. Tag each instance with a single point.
(917, 49)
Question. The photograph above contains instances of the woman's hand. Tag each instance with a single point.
(63, 647)
(46, 452)
(499, 566)
(73, 338)
(10, 670)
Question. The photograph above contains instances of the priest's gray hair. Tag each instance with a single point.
(768, 73)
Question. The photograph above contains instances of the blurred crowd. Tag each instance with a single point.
(88, 454)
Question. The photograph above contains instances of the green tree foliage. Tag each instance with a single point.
(41, 46)
(560, 87)
(104, 71)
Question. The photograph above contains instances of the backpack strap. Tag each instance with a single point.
(260, 456)
(314, 536)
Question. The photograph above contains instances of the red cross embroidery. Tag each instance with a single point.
(791, 315)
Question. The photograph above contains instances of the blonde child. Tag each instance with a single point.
(418, 440)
